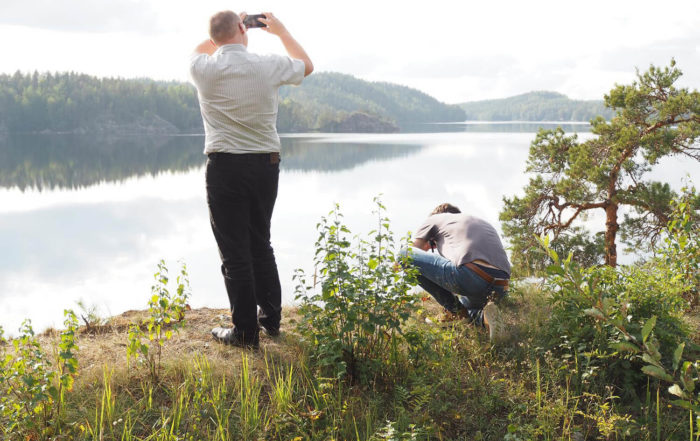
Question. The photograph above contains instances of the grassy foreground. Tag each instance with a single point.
(459, 388)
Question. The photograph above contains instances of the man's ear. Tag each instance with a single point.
(242, 28)
(212, 42)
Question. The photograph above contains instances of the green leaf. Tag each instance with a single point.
(555, 270)
(595, 313)
(677, 391)
(648, 327)
(651, 360)
(553, 254)
(677, 354)
(687, 378)
(657, 372)
(372, 264)
(686, 405)
(625, 346)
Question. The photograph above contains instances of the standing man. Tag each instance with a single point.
(470, 269)
(238, 96)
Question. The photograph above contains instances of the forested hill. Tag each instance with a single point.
(77, 103)
(326, 98)
(535, 106)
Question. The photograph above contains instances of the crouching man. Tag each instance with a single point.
(462, 264)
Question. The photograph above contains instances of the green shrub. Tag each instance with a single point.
(353, 323)
(32, 389)
(166, 312)
(604, 316)
(629, 297)
(682, 250)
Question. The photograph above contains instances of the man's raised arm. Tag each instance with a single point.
(205, 47)
(294, 49)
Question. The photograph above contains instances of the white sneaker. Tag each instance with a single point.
(493, 321)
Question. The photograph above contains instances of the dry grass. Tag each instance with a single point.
(105, 345)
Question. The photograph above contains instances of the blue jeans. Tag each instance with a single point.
(454, 287)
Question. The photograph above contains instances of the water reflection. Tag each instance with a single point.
(45, 162)
(310, 154)
(498, 126)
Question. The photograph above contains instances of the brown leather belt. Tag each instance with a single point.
(486, 276)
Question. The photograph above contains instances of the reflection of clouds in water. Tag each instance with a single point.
(473, 172)
(102, 253)
(102, 243)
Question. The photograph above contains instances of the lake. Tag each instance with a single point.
(88, 218)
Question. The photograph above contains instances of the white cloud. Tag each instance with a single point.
(455, 51)
(98, 16)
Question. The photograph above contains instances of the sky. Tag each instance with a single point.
(456, 51)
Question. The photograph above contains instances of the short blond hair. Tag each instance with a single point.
(445, 208)
(223, 26)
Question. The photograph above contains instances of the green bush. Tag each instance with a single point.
(32, 388)
(682, 250)
(602, 317)
(353, 323)
(166, 312)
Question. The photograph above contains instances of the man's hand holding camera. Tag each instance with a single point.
(274, 26)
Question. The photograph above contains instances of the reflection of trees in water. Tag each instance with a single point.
(506, 127)
(306, 155)
(68, 161)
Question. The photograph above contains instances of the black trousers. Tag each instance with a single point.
(241, 194)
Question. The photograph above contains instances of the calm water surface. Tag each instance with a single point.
(88, 219)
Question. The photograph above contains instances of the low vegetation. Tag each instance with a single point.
(595, 353)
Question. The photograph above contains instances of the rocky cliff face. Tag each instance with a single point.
(358, 122)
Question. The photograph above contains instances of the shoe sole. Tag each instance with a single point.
(497, 329)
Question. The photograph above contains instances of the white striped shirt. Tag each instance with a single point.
(238, 97)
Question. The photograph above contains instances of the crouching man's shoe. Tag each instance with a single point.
(232, 337)
(494, 323)
(448, 316)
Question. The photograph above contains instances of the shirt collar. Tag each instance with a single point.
(232, 48)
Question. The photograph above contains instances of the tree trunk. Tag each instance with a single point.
(611, 228)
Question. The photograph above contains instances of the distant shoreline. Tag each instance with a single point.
(185, 134)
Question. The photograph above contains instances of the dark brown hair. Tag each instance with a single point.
(223, 26)
(445, 208)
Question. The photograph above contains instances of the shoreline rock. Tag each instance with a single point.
(360, 122)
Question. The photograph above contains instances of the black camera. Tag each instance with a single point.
(251, 21)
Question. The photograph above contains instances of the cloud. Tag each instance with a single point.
(683, 50)
(80, 15)
(483, 66)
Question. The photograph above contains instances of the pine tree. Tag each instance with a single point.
(653, 119)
